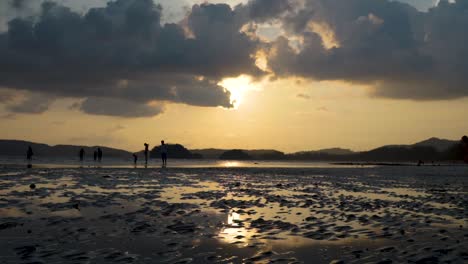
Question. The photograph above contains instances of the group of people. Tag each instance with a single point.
(162, 149)
(97, 155)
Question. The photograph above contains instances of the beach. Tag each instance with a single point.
(288, 214)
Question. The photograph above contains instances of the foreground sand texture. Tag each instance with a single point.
(234, 215)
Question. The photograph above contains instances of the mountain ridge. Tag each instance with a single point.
(428, 149)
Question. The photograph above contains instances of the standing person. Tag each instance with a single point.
(29, 155)
(135, 159)
(95, 155)
(465, 148)
(99, 154)
(146, 153)
(163, 149)
(82, 152)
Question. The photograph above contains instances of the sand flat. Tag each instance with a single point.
(234, 215)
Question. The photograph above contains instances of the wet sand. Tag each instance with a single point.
(234, 215)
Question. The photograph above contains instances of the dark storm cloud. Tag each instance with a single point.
(403, 52)
(18, 4)
(266, 10)
(123, 52)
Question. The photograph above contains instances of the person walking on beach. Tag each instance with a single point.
(95, 155)
(29, 155)
(82, 153)
(135, 159)
(163, 150)
(99, 154)
(146, 153)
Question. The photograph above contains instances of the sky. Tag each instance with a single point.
(256, 74)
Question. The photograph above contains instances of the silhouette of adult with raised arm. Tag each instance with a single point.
(146, 153)
(465, 148)
(99, 154)
(135, 159)
(82, 153)
(163, 150)
(29, 155)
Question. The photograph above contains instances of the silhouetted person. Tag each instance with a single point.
(99, 154)
(163, 150)
(95, 155)
(82, 152)
(465, 148)
(135, 159)
(29, 155)
(146, 153)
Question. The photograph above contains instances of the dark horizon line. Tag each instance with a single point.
(227, 149)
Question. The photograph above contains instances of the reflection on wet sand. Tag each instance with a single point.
(232, 215)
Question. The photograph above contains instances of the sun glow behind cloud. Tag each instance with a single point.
(238, 87)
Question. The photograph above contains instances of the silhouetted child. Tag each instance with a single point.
(135, 159)
(99, 154)
(163, 150)
(146, 153)
(82, 152)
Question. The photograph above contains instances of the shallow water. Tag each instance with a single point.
(15, 162)
(234, 215)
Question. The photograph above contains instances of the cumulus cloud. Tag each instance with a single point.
(124, 52)
(403, 52)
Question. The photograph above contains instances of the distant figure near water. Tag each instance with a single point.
(163, 153)
(146, 153)
(82, 153)
(135, 159)
(99, 154)
(29, 155)
(465, 148)
(95, 155)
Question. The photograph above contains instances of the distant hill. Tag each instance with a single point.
(175, 151)
(235, 154)
(19, 147)
(437, 143)
(336, 151)
(432, 149)
(260, 154)
(210, 153)
(330, 151)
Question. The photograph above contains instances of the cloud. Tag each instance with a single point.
(303, 96)
(422, 5)
(122, 52)
(404, 53)
(266, 10)
(25, 102)
(117, 107)
(34, 103)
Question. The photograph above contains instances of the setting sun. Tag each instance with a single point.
(238, 87)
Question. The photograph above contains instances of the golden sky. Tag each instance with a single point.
(318, 89)
(270, 115)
